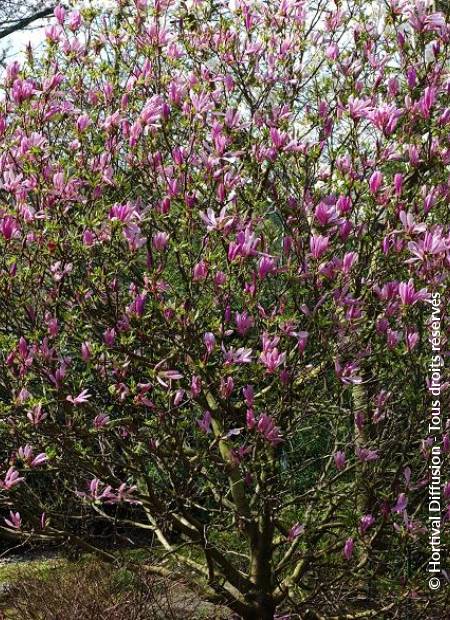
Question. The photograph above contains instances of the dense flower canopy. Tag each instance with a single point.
(221, 228)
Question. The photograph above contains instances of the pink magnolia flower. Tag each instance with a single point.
(385, 117)
(244, 322)
(12, 479)
(302, 340)
(245, 244)
(268, 429)
(238, 356)
(83, 123)
(109, 337)
(196, 386)
(9, 228)
(398, 184)
(408, 294)
(266, 266)
(365, 523)
(101, 420)
(318, 245)
(249, 395)
(27, 455)
(200, 271)
(226, 387)
(160, 241)
(209, 341)
(86, 351)
(325, 214)
(375, 181)
(348, 548)
(402, 502)
(216, 222)
(82, 397)
(339, 459)
(250, 419)
(295, 531)
(36, 415)
(272, 359)
(98, 491)
(14, 520)
(366, 454)
(60, 13)
(205, 422)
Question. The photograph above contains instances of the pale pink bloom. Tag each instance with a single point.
(12, 479)
(216, 222)
(237, 356)
(82, 397)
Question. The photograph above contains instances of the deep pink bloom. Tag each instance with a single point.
(375, 181)
(268, 429)
(318, 245)
(348, 548)
(14, 520)
(244, 322)
(408, 294)
(266, 266)
(200, 271)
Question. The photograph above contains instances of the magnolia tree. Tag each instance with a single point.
(221, 228)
